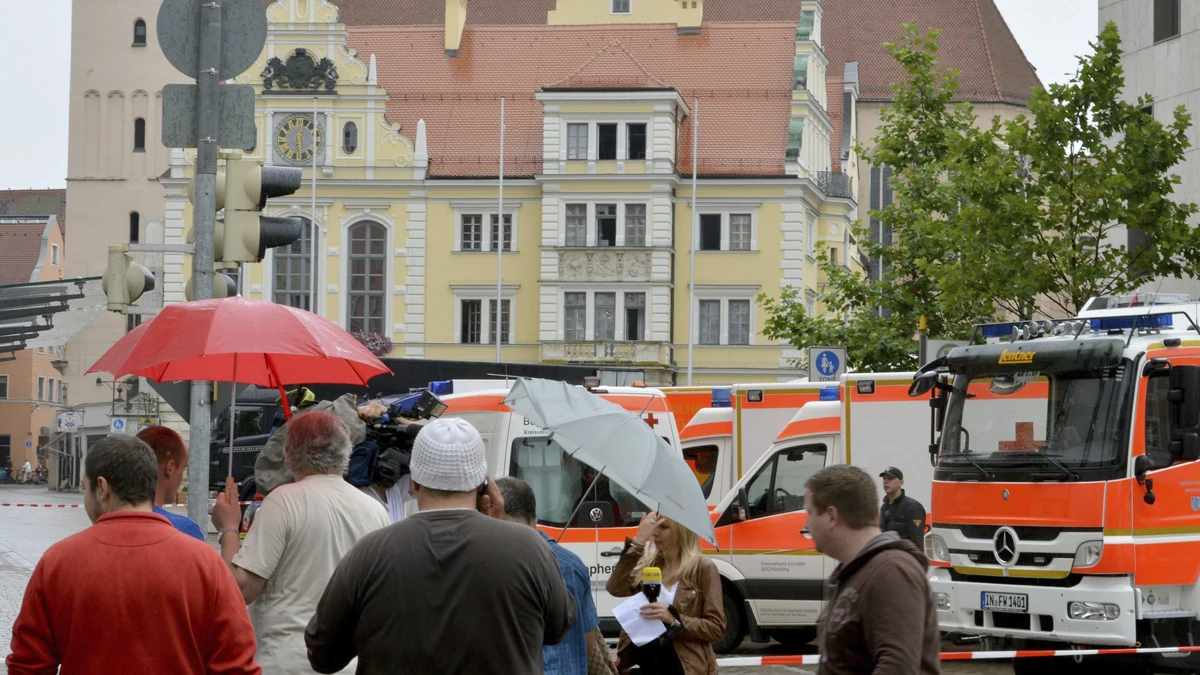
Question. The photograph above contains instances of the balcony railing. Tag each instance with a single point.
(606, 351)
(834, 184)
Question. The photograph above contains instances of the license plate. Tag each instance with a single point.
(1004, 602)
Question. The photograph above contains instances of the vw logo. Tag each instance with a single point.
(1005, 546)
(597, 515)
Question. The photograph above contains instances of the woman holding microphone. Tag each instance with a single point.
(696, 617)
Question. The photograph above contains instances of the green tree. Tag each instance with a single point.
(1005, 219)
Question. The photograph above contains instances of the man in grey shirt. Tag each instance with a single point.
(447, 590)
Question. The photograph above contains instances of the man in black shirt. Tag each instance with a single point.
(900, 513)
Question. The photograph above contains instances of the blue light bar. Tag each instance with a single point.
(831, 393)
(1127, 322)
(442, 388)
(999, 330)
(722, 397)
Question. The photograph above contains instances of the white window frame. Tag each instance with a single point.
(41, 388)
(589, 312)
(320, 235)
(4, 378)
(810, 235)
(724, 294)
(54, 254)
(567, 141)
(593, 232)
(612, 7)
(810, 302)
(50, 389)
(486, 296)
(593, 147)
(389, 274)
(725, 213)
(487, 214)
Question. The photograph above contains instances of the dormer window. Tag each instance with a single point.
(621, 6)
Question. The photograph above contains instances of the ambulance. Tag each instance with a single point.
(1067, 485)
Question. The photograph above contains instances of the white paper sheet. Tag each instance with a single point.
(629, 615)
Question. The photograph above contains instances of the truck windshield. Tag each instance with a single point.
(560, 481)
(1054, 421)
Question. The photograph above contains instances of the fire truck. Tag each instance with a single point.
(1067, 486)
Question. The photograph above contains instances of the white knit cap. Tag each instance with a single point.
(449, 455)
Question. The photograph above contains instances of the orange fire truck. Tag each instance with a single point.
(1067, 486)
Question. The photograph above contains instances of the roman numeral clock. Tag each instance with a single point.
(294, 139)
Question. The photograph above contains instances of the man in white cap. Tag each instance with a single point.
(448, 589)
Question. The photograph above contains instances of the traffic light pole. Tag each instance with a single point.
(203, 223)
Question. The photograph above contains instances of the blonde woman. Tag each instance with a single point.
(695, 619)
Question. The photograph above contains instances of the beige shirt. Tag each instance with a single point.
(299, 535)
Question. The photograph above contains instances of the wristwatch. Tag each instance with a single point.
(223, 531)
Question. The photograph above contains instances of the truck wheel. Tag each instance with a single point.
(735, 624)
(796, 638)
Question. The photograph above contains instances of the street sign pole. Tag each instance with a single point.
(204, 223)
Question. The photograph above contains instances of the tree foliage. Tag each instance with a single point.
(1007, 219)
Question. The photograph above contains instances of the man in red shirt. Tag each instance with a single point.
(131, 593)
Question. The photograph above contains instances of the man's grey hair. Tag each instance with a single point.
(318, 442)
(520, 503)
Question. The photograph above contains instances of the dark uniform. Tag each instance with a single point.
(905, 516)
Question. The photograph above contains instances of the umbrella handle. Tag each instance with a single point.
(287, 408)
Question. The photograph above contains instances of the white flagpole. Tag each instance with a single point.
(695, 218)
(496, 335)
(313, 215)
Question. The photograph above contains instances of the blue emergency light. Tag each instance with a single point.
(722, 397)
(442, 387)
(999, 330)
(1127, 322)
(831, 394)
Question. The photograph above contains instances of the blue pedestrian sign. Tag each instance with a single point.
(826, 364)
(118, 425)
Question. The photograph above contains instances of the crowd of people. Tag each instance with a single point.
(333, 578)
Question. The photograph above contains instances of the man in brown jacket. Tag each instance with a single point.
(879, 613)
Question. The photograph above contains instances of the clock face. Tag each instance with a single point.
(296, 137)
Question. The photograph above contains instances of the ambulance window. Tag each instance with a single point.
(559, 482)
(702, 460)
(779, 485)
(1158, 420)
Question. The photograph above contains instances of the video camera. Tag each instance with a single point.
(385, 454)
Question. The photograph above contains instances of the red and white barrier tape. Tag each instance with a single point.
(814, 659)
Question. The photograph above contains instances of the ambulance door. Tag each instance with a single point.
(783, 570)
(711, 461)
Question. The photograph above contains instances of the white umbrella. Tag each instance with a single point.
(619, 444)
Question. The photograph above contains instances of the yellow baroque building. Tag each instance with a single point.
(398, 130)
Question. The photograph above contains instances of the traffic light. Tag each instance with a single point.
(223, 285)
(247, 233)
(124, 280)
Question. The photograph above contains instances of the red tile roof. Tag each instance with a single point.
(742, 73)
(974, 39)
(20, 248)
(35, 203)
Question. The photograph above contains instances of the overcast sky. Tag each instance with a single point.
(35, 50)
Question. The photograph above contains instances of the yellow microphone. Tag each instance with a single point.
(652, 583)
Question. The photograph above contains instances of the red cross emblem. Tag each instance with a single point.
(651, 420)
(1024, 442)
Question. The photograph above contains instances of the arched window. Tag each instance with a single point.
(293, 270)
(135, 222)
(350, 138)
(368, 255)
(139, 33)
(139, 135)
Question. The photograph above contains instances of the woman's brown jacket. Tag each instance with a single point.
(700, 606)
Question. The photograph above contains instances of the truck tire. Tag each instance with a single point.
(796, 639)
(735, 623)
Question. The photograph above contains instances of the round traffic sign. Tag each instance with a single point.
(828, 363)
(29, 444)
(243, 34)
(118, 424)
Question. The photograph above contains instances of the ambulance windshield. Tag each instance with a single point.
(560, 482)
(1049, 423)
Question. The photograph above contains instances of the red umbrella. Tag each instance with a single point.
(241, 340)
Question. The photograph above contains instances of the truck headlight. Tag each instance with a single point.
(1093, 611)
(936, 549)
(943, 600)
(1088, 554)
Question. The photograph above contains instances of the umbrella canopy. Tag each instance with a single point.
(272, 346)
(618, 442)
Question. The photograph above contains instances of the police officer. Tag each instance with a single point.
(900, 513)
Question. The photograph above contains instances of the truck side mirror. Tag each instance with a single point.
(1186, 446)
(922, 384)
(742, 506)
(1184, 396)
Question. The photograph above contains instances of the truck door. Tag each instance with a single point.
(1164, 543)
(783, 570)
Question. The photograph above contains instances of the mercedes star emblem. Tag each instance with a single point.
(1005, 545)
(1004, 495)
